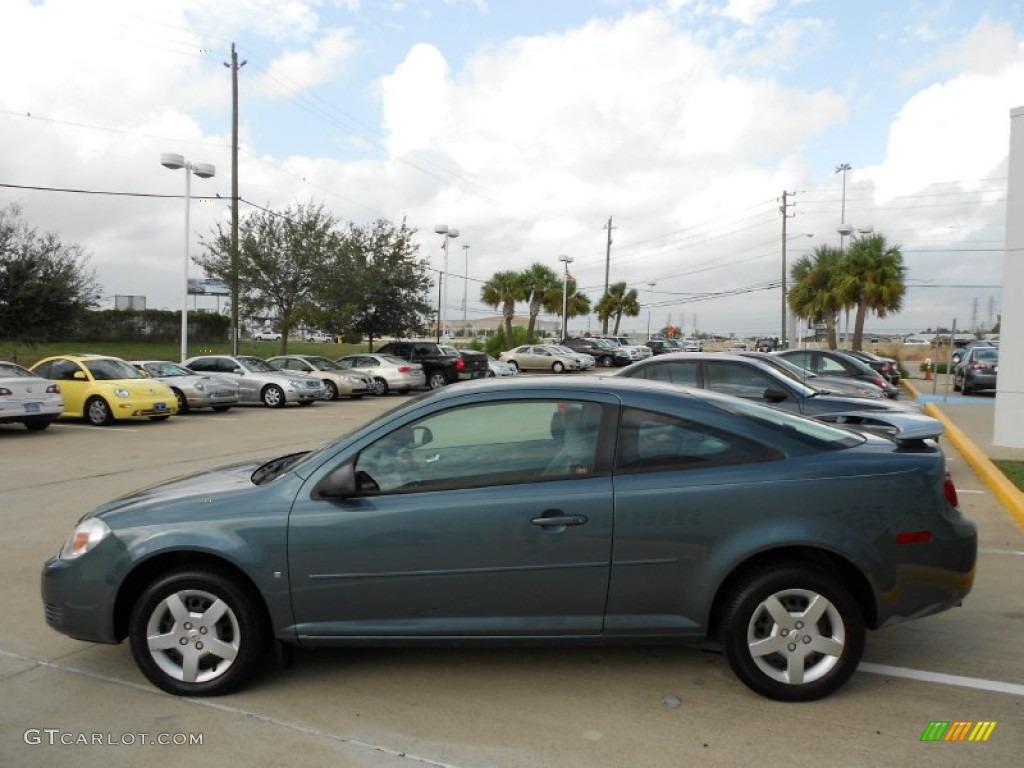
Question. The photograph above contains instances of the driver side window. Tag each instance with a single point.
(489, 444)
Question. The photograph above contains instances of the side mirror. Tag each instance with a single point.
(773, 395)
(339, 483)
(421, 436)
(78, 376)
(239, 370)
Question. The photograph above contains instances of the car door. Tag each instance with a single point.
(74, 390)
(459, 530)
(249, 384)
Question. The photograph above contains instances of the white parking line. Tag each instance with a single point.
(235, 710)
(990, 551)
(997, 686)
(95, 429)
(961, 490)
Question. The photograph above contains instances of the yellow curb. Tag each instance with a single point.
(1008, 494)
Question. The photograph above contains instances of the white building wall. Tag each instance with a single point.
(1009, 412)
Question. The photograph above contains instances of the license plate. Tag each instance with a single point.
(160, 406)
(33, 407)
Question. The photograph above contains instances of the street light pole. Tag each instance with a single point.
(843, 168)
(203, 171)
(650, 304)
(449, 233)
(465, 289)
(566, 260)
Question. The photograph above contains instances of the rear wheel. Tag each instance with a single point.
(792, 633)
(221, 407)
(330, 390)
(197, 633)
(97, 412)
(437, 380)
(605, 361)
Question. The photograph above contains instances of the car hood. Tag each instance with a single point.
(201, 484)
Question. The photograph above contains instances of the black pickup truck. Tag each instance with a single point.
(441, 364)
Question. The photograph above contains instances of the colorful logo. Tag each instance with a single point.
(958, 730)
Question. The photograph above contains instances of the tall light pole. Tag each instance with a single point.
(650, 304)
(843, 168)
(465, 288)
(566, 260)
(203, 171)
(449, 233)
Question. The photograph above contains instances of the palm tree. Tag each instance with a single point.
(539, 283)
(575, 303)
(872, 278)
(618, 302)
(503, 290)
(817, 293)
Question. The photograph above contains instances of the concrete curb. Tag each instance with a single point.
(1008, 494)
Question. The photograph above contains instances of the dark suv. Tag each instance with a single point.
(606, 353)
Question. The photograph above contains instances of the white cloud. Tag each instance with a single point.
(323, 63)
(748, 11)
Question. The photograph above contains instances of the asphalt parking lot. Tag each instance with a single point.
(87, 705)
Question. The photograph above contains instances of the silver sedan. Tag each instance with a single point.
(259, 382)
(541, 357)
(337, 381)
(389, 373)
(193, 390)
(28, 398)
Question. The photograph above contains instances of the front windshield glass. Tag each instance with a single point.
(111, 369)
(258, 365)
(167, 368)
(324, 364)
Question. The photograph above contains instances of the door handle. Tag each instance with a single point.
(559, 520)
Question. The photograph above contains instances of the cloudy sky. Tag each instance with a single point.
(529, 126)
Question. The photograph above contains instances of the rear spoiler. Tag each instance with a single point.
(905, 428)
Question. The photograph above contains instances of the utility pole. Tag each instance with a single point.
(786, 216)
(234, 66)
(607, 267)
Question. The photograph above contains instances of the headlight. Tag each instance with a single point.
(86, 536)
(200, 387)
(121, 392)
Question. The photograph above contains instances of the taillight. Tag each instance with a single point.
(5, 391)
(913, 537)
(404, 369)
(53, 389)
(460, 364)
(879, 382)
(950, 490)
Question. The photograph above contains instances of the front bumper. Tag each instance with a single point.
(78, 600)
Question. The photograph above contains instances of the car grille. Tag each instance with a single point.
(313, 384)
(54, 614)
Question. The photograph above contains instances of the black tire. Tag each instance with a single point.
(161, 417)
(514, 364)
(967, 391)
(36, 426)
(221, 408)
(305, 402)
(491, 374)
(827, 650)
(380, 386)
(98, 413)
(956, 383)
(330, 390)
(273, 396)
(605, 361)
(558, 367)
(220, 652)
(182, 401)
(437, 380)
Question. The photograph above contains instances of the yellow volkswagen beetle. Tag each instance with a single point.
(103, 389)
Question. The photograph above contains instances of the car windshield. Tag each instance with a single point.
(111, 369)
(787, 367)
(808, 431)
(167, 369)
(564, 350)
(323, 364)
(605, 344)
(449, 351)
(257, 364)
(13, 370)
(986, 354)
(392, 359)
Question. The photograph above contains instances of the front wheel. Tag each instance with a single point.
(558, 367)
(380, 386)
(606, 361)
(161, 417)
(273, 397)
(196, 633)
(182, 402)
(437, 380)
(97, 412)
(330, 390)
(792, 633)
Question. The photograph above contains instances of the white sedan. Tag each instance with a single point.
(27, 398)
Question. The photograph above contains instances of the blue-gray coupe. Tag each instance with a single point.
(526, 510)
